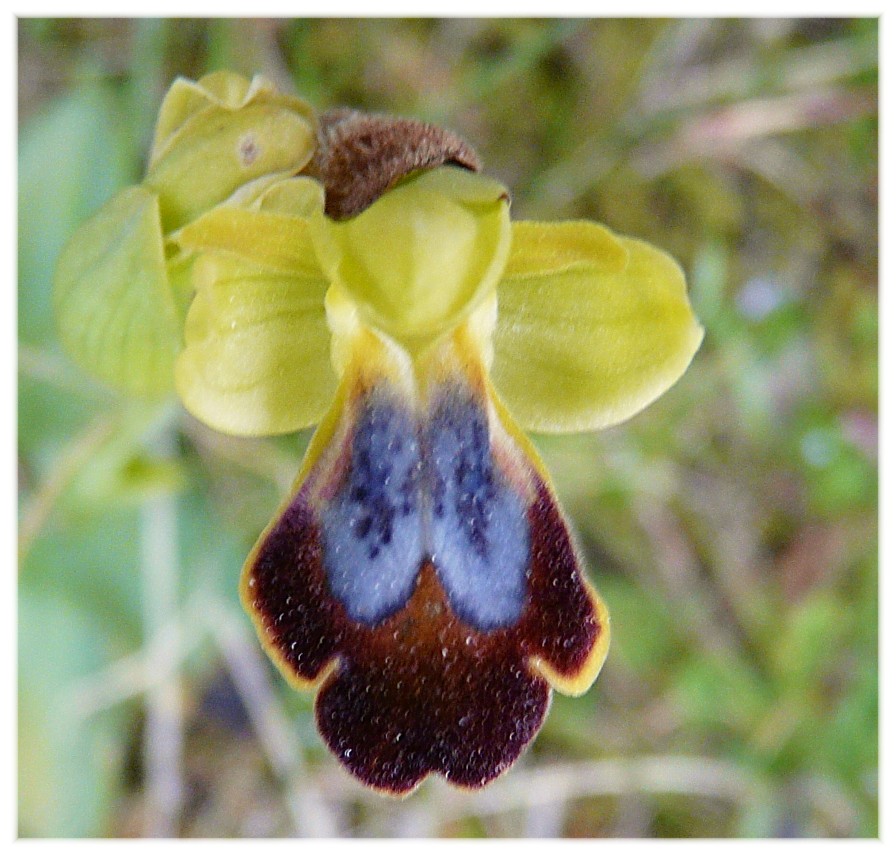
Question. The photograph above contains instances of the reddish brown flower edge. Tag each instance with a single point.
(426, 680)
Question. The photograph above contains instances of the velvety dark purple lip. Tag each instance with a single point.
(431, 686)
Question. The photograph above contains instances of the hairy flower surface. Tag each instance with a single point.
(420, 575)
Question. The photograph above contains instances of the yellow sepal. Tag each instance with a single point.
(587, 345)
(115, 309)
(266, 226)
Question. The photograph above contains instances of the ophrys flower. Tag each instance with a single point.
(420, 575)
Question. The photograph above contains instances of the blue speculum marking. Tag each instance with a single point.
(433, 491)
(479, 533)
(372, 529)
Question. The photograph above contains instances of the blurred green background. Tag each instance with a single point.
(731, 527)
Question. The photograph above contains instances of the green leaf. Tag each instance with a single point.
(71, 159)
(720, 691)
(811, 643)
(645, 634)
(89, 560)
(67, 765)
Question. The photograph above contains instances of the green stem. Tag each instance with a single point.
(163, 733)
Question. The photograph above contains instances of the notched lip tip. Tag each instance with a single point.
(436, 777)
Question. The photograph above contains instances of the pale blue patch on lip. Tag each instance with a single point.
(414, 493)
(372, 529)
(479, 530)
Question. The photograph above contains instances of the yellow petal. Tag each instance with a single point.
(272, 240)
(257, 355)
(115, 310)
(185, 98)
(217, 150)
(296, 197)
(544, 248)
(180, 278)
(249, 193)
(587, 346)
(233, 91)
(272, 231)
(423, 255)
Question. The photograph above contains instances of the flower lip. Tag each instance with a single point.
(436, 665)
(362, 155)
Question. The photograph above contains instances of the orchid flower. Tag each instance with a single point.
(122, 285)
(420, 575)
